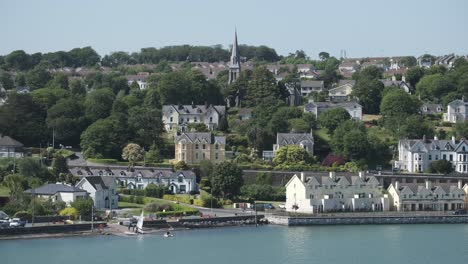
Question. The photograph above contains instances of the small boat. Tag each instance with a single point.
(168, 234)
(139, 225)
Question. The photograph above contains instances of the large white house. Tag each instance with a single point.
(341, 93)
(314, 194)
(178, 117)
(102, 189)
(58, 192)
(457, 111)
(426, 196)
(415, 155)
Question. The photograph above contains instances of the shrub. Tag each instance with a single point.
(23, 215)
(70, 211)
(139, 200)
(155, 207)
(83, 206)
(178, 213)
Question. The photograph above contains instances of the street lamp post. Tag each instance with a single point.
(92, 217)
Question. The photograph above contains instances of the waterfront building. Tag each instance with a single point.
(140, 177)
(193, 147)
(102, 189)
(426, 196)
(415, 155)
(58, 192)
(10, 148)
(303, 140)
(178, 117)
(314, 194)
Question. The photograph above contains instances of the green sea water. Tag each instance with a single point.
(409, 244)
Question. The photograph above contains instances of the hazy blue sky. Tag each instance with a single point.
(361, 27)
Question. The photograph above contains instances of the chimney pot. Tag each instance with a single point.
(460, 184)
(302, 176)
(397, 185)
(428, 184)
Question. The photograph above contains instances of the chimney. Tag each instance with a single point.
(362, 175)
(302, 176)
(332, 175)
(460, 184)
(435, 137)
(428, 184)
(397, 185)
(453, 139)
(424, 138)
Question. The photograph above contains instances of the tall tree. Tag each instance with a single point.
(133, 153)
(98, 104)
(226, 179)
(332, 118)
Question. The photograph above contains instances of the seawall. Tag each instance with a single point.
(366, 220)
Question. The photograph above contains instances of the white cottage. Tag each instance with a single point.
(315, 194)
(102, 189)
(426, 196)
(178, 117)
(58, 192)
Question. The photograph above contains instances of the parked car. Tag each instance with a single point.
(4, 224)
(460, 212)
(16, 222)
(282, 206)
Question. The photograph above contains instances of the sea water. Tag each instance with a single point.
(409, 244)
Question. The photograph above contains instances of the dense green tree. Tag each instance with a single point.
(440, 166)
(153, 155)
(264, 178)
(395, 108)
(434, 86)
(77, 87)
(409, 61)
(116, 58)
(98, 104)
(37, 78)
(147, 125)
(180, 165)
(67, 119)
(152, 98)
(461, 130)
(413, 75)
(84, 57)
(59, 165)
(324, 55)
(16, 183)
(369, 73)
(31, 168)
(83, 206)
(59, 81)
(332, 118)
(104, 138)
(369, 93)
(47, 97)
(350, 140)
(226, 179)
(416, 127)
(23, 119)
(174, 88)
(262, 85)
(291, 155)
(6, 80)
(18, 60)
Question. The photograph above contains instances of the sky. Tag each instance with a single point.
(363, 28)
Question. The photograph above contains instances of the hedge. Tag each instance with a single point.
(178, 213)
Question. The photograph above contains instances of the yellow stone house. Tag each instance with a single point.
(193, 147)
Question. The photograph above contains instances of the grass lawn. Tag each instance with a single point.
(4, 191)
(380, 133)
(123, 205)
(322, 133)
(367, 118)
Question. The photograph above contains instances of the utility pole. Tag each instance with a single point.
(33, 202)
(53, 138)
(255, 207)
(92, 217)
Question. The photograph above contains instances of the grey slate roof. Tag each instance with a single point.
(328, 105)
(293, 138)
(429, 144)
(194, 109)
(121, 172)
(9, 142)
(51, 189)
(201, 137)
(100, 182)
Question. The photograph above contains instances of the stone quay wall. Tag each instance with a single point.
(368, 220)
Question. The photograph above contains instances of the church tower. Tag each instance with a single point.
(234, 64)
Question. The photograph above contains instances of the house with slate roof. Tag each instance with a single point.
(457, 111)
(415, 155)
(308, 86)
(10, 148)
(58, 192)
(193, 147)
(353, 108)
(427, 196)
(429, 108)
(322, 193)
(341, 93)
(178, 117)
(140, 177)
(303, 140)
(102, 189)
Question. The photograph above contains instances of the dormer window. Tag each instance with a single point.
(122, 173)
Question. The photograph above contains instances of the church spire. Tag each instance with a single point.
(234, 64)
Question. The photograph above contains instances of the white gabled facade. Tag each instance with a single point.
(457, 111)
(102, 189)
(178, 117)
(415, 155)
(316, 194)
(427, 196)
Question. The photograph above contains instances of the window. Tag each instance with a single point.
(437, 157)
(451, 157)
(216, 155)
(430, 157)
(196, 156)
(184, 146)
(204, 146)
(195, 119)
(196, 146)
(211, 119)
(444, 157)
(203, 155)
(170, 119)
